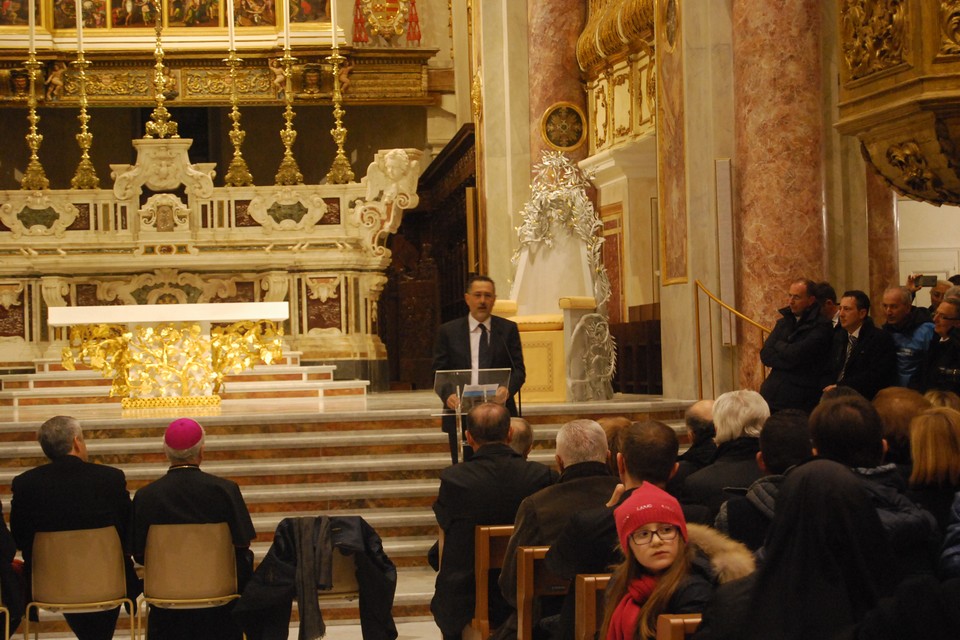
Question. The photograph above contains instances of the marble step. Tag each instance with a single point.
(233, 391)
(91, 378)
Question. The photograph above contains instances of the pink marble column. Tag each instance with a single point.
(553, 27)
(778, 158)
(882, 239)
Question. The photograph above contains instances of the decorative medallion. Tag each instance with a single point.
(562, 126)
(385, 18)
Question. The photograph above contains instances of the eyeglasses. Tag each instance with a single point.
(939, 315)
(666, 533)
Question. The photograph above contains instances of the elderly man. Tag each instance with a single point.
(864, 357)
(187, 495)
(585, 482)
(71, 493)
(912, 333)
(942, 365)
(487, 489)
(796, 352)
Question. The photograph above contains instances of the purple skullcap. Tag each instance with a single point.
(182, 434)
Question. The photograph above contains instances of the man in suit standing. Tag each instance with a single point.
(864, 357)
(67, 494)
(478, 341)
(485, 490)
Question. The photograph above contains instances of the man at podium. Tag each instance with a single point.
(476, 342)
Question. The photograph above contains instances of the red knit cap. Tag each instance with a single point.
(182, 434)
(647, 504)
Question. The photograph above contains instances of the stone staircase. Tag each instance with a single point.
(377, 456)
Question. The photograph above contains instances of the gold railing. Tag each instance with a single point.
(764, 331)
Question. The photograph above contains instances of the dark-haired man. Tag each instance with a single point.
(848, 430)
(796, 352)
(477, 341)
(827, 298)
(485, 490)
(67, 494)
(863, 357)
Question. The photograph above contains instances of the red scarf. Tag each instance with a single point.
(623, 623)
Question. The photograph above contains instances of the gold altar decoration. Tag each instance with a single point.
(238, 174)
(86, 175)
(340, 171)
(900, 92)
(34, 178)
(161, 125)
(289, 171)
(243, 344)
(171, 364)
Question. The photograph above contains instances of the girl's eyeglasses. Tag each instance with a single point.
(666, 533)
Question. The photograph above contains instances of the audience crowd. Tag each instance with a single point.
(826, 505)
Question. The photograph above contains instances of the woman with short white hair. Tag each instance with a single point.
(739, 417)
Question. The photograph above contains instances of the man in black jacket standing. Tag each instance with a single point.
(863, 357)
(796, 352)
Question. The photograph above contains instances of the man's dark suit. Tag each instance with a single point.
(796, 352)
(542, 516)
(70, 494)
(486, 490)
(873, 361)
(452, 352)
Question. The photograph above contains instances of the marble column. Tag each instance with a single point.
(882, 242)
(778, 158)
(553, 28)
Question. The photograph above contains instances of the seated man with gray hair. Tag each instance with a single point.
(187, 495)
(67, 494)
(585, 482)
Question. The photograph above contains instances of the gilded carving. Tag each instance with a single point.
(622, 95)
(908, 158)
(950, 27)
(216, 82)
(873, 35)
(476, 96)
(601, 116)
(385, 18)
(35, 213)
(111, 84)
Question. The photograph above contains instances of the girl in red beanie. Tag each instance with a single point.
(664, 572)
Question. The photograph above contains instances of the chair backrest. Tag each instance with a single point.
(677, 626)
(534, 580)
(344, 577)
(189, 561)
(489, 552)
(589, 589)
(84, 565)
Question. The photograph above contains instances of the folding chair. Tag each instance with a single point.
(80, 571)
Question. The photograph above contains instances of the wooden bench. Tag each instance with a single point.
(588, 590)
(489, 552)
(534, 580)
(677, 626)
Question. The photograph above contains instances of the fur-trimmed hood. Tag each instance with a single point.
(727, 558)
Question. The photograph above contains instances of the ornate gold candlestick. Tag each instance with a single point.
(238, 175)
(289, 171)
(34, 178)
(340, 171)
(85, 176)
(161, 125)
